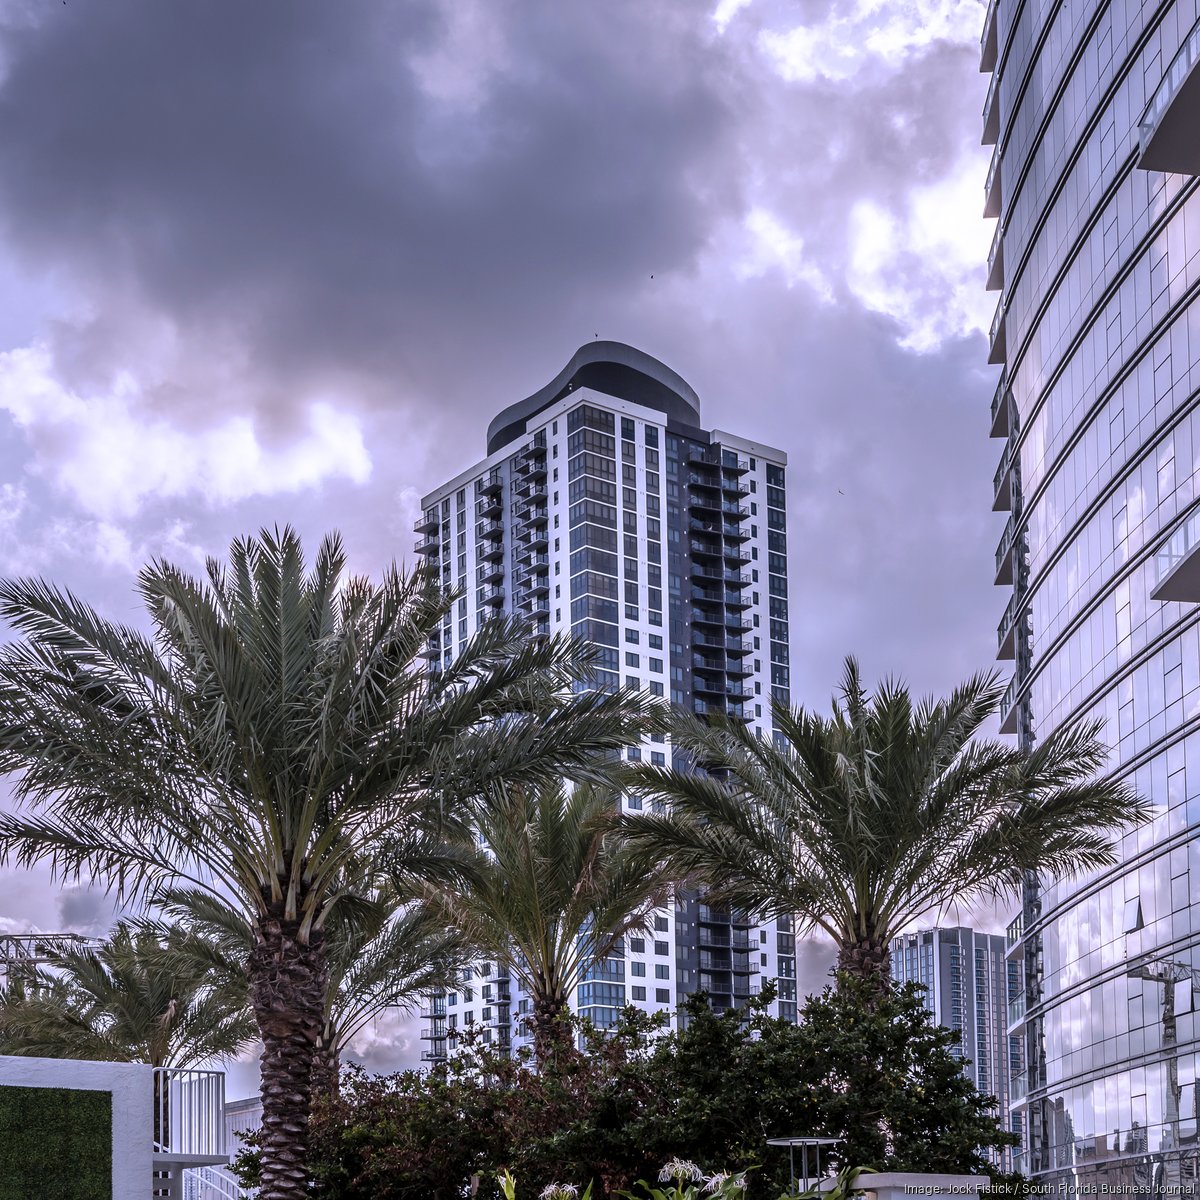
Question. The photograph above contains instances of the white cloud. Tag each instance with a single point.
(114, 450)
(725, 11)
(773, 246)
(924, 265)
(870, 34)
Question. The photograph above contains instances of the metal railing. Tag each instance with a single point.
(189, 1112)
(1173, 79)
(211, 1183)
(1006, 461)
(1006, 540)
(1181, 544)
(991, 209)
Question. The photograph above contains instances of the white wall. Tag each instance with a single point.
(132, 1088)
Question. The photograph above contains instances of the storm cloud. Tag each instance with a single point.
(284, 260)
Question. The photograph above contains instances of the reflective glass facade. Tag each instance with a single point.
(1098, 332)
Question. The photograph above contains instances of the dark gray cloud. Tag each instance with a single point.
(284, 260)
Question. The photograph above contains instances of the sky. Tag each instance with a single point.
(283, 261)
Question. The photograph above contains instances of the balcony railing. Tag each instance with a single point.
(1004, 563)
(989, 41)
(991, 114)
(1166, 132)
(995, 270)
(1006, 630)
(997, 342)
(1177, 564)
(493, 481)
(189, 1115)
(1008, 705)
(1001, 482)
(993, 188)
(1016, 1009)
(1003, 415)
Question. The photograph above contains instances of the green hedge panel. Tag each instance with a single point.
(55, 1142)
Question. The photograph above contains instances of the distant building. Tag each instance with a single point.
(605, 509)
(967, 982)
(241, 1117)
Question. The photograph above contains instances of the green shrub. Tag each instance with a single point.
(55, 1142)
(874, 1072)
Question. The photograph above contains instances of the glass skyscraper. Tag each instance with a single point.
(968, 983)
(1093, 112)
(604, 508)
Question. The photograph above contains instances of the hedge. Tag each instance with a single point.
(55, 1142)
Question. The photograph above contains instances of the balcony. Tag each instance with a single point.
(493, 481)
(997, 342)
(1008, 706)
(1002, 481)
(490, 551)
(491, 596)
(735, 486)
(709, 708)
(489, 572)
(992, 188)
(538, 584)
(1006, 631)
(429, 546)
(534, 514)
(1167, 131)
(989, 42)
(1016, 1009)
(991, 114)
(489, 505)
(489, 530)
(1177, 564)
(738, 646)
(738, 512)
(1004, 558)
(1003, 413)
(427, 522)
(995, 271)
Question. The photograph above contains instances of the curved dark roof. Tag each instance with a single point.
(610, 367)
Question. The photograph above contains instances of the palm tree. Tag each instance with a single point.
(278, 743)
(554, 893)
(126, 1000)
(382, 953)
(865, 821)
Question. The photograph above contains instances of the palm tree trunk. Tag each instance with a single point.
(867, 957)
(551, 1035)
(326, 1070)
(287, 991)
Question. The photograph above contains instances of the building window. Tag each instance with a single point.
(662, 971)
(660, 924)
(661, 948)
(662, 995)
(637, 969)
(638, 992)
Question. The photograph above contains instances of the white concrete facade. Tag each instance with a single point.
(132, 1088)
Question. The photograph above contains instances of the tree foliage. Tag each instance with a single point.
(864, 821)
(876, 1073)
(133, 998)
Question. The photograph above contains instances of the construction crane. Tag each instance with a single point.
(1168, 972)
(22, 953)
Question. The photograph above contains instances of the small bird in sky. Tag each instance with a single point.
(840, 492)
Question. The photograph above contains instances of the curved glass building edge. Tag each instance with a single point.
(1093, 109)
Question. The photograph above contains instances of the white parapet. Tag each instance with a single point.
(897, 1185)
(131, 1086)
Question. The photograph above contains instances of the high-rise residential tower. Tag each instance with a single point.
(604, 508)
(1093, 111)
(968, 984)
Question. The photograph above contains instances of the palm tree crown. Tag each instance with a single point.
(865, 821)
(129, 999)
(554, 893)
(278, 743)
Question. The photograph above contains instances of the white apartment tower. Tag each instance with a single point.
(604, 508)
